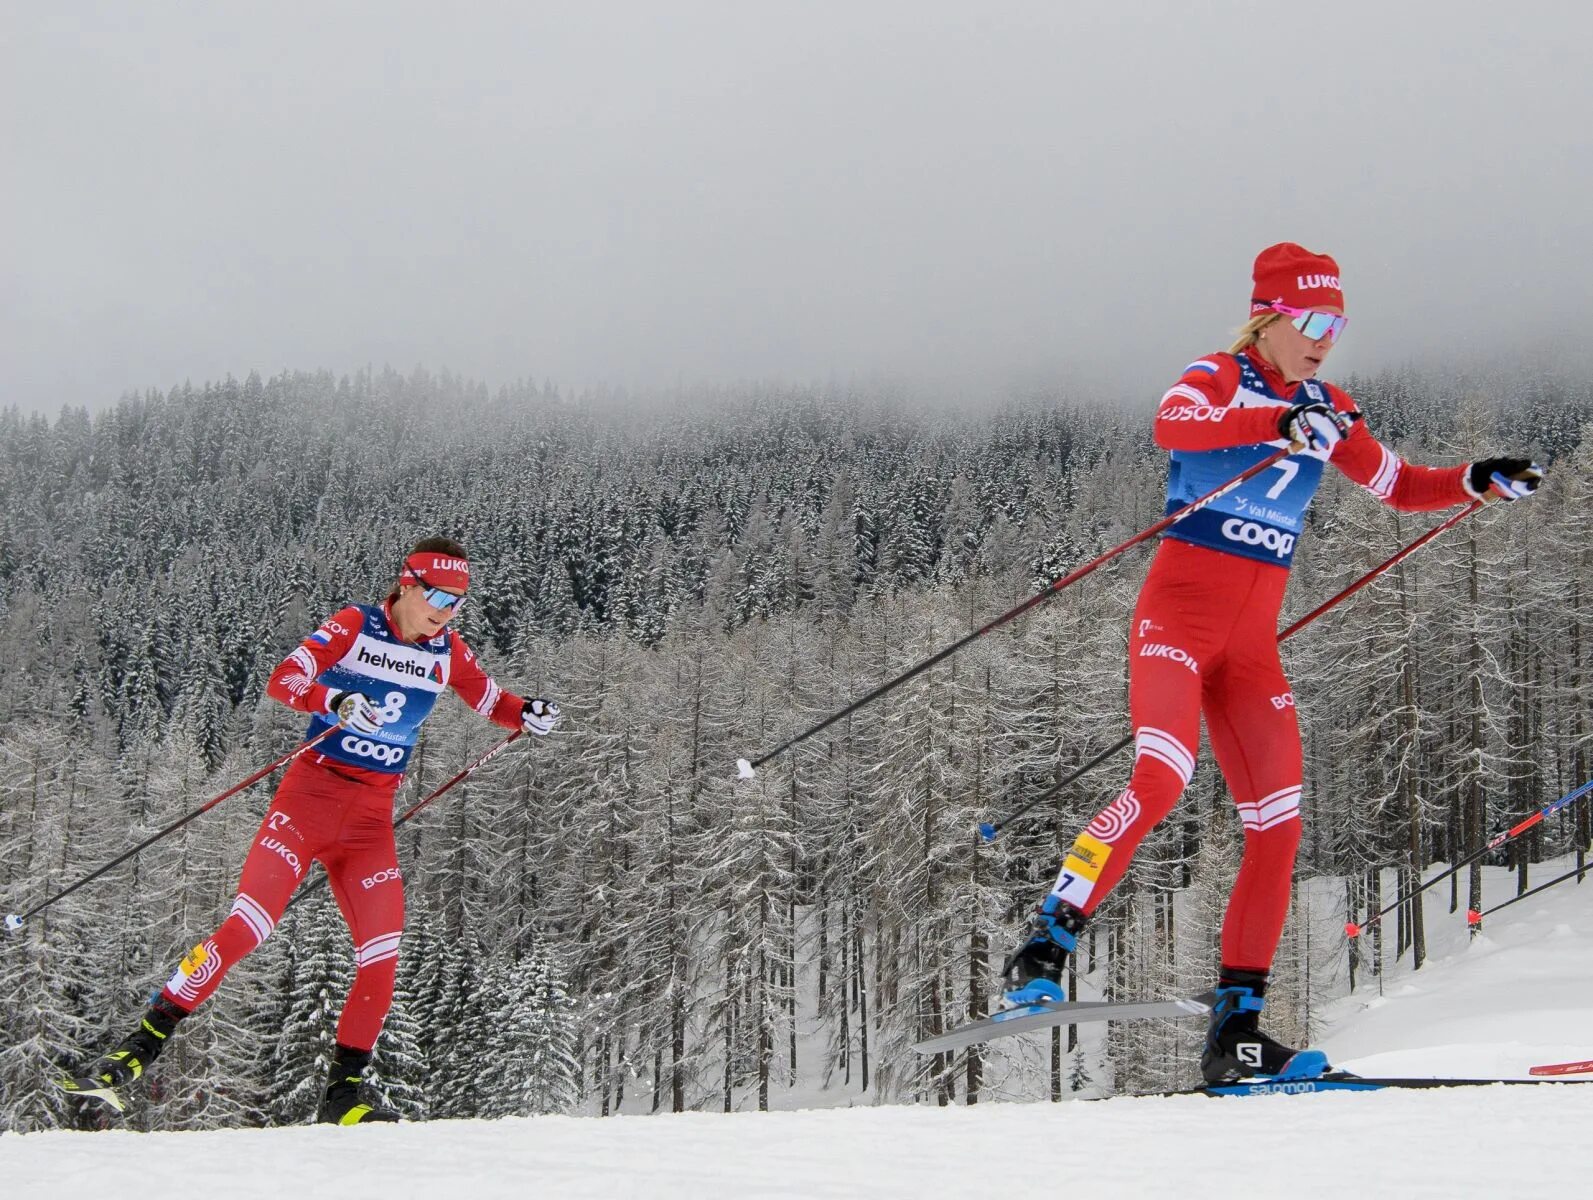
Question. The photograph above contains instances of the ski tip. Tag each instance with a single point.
(744, 769)
(13, 922)
(86, 1089)
(1351, 929)
(987, 831)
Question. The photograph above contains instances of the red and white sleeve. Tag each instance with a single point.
(1397, 483)
(1196, 413)
(478, 689)
(293, 682)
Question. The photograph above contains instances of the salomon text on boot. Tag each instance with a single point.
(1235, 1046)
(1033, 974)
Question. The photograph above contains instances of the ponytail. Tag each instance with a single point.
(1250, 331)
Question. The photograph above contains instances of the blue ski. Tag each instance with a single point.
(1344, 1081)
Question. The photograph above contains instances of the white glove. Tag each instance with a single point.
(354, 711)
(539, 717)
(1315, 426)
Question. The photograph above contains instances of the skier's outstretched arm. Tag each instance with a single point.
(479, 690)
(1410, 487)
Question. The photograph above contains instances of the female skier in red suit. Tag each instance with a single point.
(1204, 637)
(373, 672)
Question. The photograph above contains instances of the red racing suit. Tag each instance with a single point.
(1204, 635)
(328, 807)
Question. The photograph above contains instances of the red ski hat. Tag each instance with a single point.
(1292, 275)
(431, 569)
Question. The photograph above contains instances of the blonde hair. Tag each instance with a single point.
(1250, 331)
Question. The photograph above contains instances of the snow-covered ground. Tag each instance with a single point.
(1521, 994)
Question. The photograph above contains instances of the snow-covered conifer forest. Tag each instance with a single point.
(607, 918)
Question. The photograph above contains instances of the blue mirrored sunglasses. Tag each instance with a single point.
(1315, 325)
(436, 597)
(446, 601)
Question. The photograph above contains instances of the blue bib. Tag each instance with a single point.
(1262, 517)
(403, 680)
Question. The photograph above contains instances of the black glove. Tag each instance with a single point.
(1315, 425)
(1503, 478)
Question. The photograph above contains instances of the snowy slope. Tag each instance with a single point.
(1521, 994)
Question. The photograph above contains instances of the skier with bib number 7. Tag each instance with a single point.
(376, 670)
(1203, 642)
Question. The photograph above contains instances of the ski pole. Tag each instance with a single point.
(480, 762)
(747, 770)
(1565, 1068)
(989, 829)
(1474, 918)
(1352, 929)
(14, 921)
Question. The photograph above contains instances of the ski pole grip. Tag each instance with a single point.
(13, 922)
(987, 831)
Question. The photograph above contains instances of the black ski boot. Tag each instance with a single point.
(344, 1104)
(1235, 1046)
(1033, 973)
(128, 1061)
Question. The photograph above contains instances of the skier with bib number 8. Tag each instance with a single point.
(376, 671)
(1203, 642)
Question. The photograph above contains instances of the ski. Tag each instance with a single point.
(1045, 1016)
(1565, 1068)
(1345, 1081)
(92, 1087)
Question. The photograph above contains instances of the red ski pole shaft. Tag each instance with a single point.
(14, 922)
(1055, 586)
(491, 754)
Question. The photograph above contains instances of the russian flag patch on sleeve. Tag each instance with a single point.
(321, 636)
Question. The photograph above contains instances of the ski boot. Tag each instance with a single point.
(344, 1104)
(1235, 1046)
(1034, 971)
(128, 1061)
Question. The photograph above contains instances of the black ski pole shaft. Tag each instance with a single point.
(746, 768)
(1354, 929)
(1476, 919)
(989, 829)
(491, 754)
(14, 921)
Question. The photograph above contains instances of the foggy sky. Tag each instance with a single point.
(648, 194)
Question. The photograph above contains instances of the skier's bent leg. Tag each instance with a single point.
(273, 868)
(1092, 868)
(1164, 702)
(277, 861)
(1101, 854)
